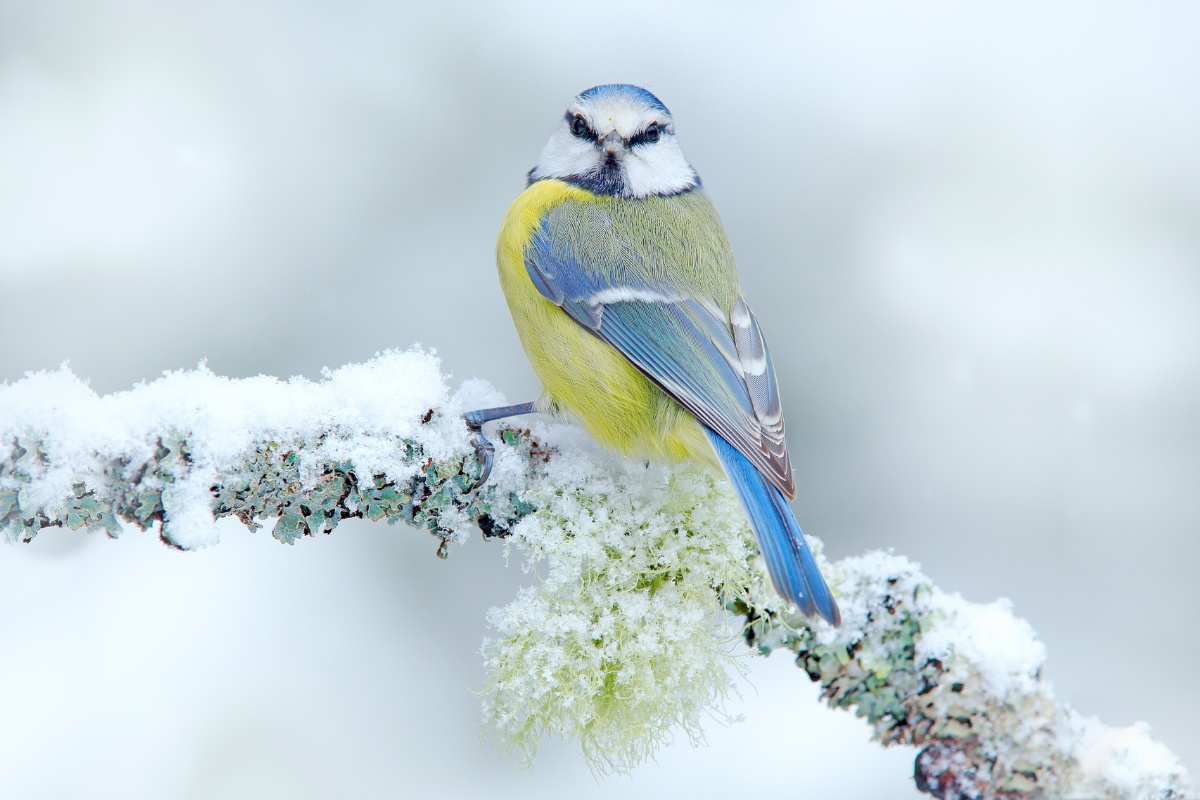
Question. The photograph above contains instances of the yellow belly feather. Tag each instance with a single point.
(582, 376)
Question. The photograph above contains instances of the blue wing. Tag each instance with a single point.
(714, 363)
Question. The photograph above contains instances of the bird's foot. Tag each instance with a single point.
(485, 451)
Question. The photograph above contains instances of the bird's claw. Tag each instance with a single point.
(484, 452)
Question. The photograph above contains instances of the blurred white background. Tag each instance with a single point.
(970, 231)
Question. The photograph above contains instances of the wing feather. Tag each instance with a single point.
(714, 363)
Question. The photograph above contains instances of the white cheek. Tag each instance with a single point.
(566, 155)
(660, 169)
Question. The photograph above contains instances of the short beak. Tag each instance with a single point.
(612, 144)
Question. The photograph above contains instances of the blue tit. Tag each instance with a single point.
(625, 296)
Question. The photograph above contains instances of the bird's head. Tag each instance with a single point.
(617, 139)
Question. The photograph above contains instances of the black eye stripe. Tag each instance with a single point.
(578, 125)
(649, 135)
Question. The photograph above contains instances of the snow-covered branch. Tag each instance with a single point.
(646, 576)
(370, 440)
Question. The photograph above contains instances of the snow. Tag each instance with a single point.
(1002, 647)
(1124, 760)
(363, 411)
(621, 642)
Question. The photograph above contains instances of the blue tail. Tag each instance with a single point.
(790, 562)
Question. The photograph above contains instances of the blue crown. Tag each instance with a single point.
(610, 89)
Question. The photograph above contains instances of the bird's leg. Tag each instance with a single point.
(483, 448)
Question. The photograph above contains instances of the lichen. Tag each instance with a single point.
(645, 577)
(621, 645)
(271, 482)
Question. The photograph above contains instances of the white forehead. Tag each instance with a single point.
(626, 111)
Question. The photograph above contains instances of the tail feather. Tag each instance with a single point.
(791, 564)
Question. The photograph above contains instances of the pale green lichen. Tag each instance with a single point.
(622, 644)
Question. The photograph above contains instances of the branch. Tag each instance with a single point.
(646, 575)
(371, 441)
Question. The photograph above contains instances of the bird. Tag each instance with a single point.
(625, 296)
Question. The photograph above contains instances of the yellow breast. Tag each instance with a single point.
(583, 376)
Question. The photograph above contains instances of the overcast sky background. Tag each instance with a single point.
(971, 233)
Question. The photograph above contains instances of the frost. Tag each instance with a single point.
(623, 642)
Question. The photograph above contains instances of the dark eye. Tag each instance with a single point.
(579, 126)
(652, 132)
